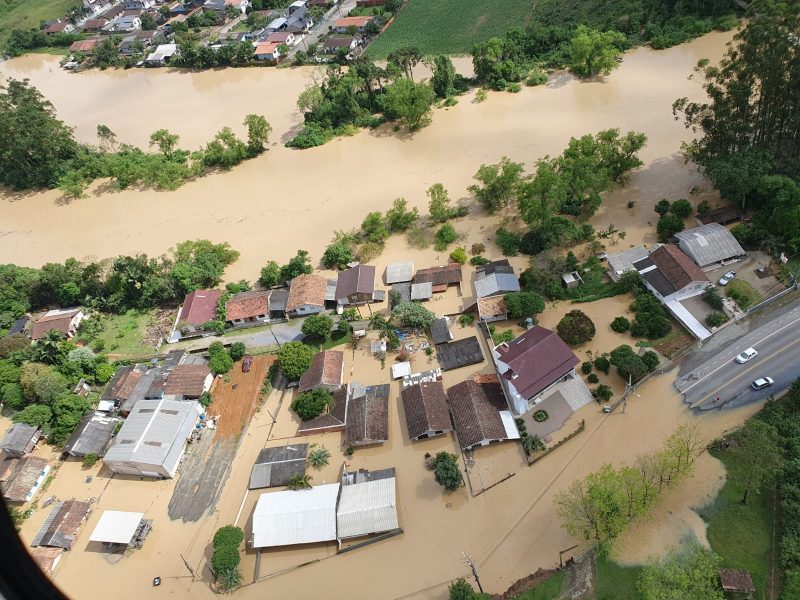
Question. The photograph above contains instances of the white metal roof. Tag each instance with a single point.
(367, 507)
(688, 319)
(295, 517)
(116, 527)
(399, 272)
(709, 244)
(401, 369)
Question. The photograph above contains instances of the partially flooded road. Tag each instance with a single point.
(285, 199)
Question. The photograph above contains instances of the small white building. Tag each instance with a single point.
(296, 517)
(161, 55)
(367, 504)
(116, 527)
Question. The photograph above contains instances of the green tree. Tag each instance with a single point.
(220, 363)
(295, 359)
(542, 194)
(523, 304)
(628, 363)
(229, 535)
(68, 410)
(689, 572)
(270, 274)
(669, 225)
(408, 102)
(499, 184)
(299, 264)
(258, 130)
(318, 325)
(413, 314)
(405, 59)
(757, 446)
(461, 590)
(50, 349)
(446, 471)
(374, 227)
(337, 255)
(148, 22)
(681, 208)
(459, 255)
(399, 218)
(595, 52)
(225, 558)
(35, 415)
(445, 235)
(575, 327)
(603, 392)
(662, 207)
(311, 404)
(166, 142)
(439, 205)
(620, 324)
(12, 396)
(237, 350)
(443, 78)
(508, 241)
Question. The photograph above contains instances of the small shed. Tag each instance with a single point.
(401, 369)
(422, 291)
(460, 353)
(20, 440)
(736, 581)
(277, 466)
(117, 527)
(359, 328)
(571, 280)
(399, 272)
(62, 524)
(440, 331)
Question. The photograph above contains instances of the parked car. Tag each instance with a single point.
(762, 382)
(747, 355)
(727, 278)
(247, 362)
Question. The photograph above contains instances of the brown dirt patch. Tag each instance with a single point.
(523, 585)
(235, 400)
(159, 325)
(673, 342)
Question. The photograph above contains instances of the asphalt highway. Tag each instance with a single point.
(723, 382)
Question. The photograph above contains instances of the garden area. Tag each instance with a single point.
(131, 335)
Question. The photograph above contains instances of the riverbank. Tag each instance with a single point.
(286, 198)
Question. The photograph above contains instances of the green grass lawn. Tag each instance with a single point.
(549, 589)
(122, 335)
(743, 292)
(450, 26)
(337, 339)
(740, 533)
(615, 582)
(27, 14)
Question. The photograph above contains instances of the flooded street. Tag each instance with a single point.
(285, 199)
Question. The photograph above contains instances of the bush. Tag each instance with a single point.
(662, 207)
(445, 236)
(446, 471)
(319, 457)
(229, 535)
(507, 241)
(220, 363)
(90, 460)
(601, 364)
(337, 255)
(523, 304)
(703, 208)
(744, 294)
(650, 360)
(586, 367)
(205, 399)
(669, 225)
(715, 319)
(536, 77)
(576, 328)
(413, 314)
(681, 208)
(712, 297)
(620, 324)
(466, 320)
(477, 249)
(398, 218)
(628, 364)
(225, 558)
(459, 255)
(502, 337)
(540, 416)
(602, 392)
(311, 404)
(461, 590)
(295, 359)
(592, 378)
(237, 350)
(318, 325)
(478, 261)
(270, 274)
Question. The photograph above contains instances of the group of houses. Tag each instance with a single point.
(676, 271)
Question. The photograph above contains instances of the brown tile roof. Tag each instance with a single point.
(62, 524)
(59, 321)
(356, 280)
(122, 384)
(492, 306)
(476, 412)
(353, 21)
(332, 420)
(326, 369)
(677, 268)
(200, 306)
(266, 48)
(425, 407)
(307, 289)
(57, 27)
(186, 380)
(368, 417)
(339, 42)
(734, 580)
(247, 305)
(20, 481)
(94, 23)
(538, 358)
(46, 558)
(439, 276)
(279, 37)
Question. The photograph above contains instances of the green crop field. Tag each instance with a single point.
(27, 14)
(450, 26)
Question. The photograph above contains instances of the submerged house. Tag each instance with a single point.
(306, 295)
(367, 419)
(276, 466)
(333, 419)
(20, 478)
(247, 308)
(295, 517)
(92, 435)
(326, 370)
(480, 413)
(440, 278)
(60, 529)
(198, 308)
(356, 285)
(20, 440)
(367, 504)
(425, 408)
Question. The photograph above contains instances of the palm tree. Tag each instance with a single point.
(48, 349)
(230, 579)
(353, 344)
(532, 443)
(299, 482)
(318, 457)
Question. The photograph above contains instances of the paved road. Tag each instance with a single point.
(778, 345)
(280, 333)
(322, 28)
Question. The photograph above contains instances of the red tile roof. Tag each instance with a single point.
(536, 359)
(279, 37)
(368, 417)
(677, 268)
(247, 305)
(266, 48)
(200, 306)
(186, 380)
(46, 558)
(24, 475)
(59, 321)
(326, 369)
(306, 289)
(425, 407)
(353, 21)
(83, 45)
(476, 412)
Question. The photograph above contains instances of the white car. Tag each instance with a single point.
(747, 355)
(762, 382)
(727, 278)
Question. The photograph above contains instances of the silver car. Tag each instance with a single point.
(727, 278)
(747, 355)
(762, 382)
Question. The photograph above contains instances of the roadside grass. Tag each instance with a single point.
(337, 339)
(675, 340)
(123, 334)
(743, 292)
(28, 14)
(449, 26)
(615, 582)
(741, 533)
(549, 589)
(52, 50)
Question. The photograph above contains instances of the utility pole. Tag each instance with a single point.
(474, 570)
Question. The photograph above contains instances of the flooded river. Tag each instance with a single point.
(285, 199)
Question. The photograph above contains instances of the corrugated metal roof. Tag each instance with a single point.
(116, 527)
(621, 262)
(367, 507)
(296, 517)
(400, 272)
(154, 433)
(92, 435)
(20, 439)
(276, 466)
(422, 291)
(709, 244)
(440, 331)
(496, 283)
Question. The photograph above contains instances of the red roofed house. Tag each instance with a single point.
(85, 46)
(64, 320)
(94, 25)
(248, 307)
(198, 308)
(670, 274)
(326, 370)
(531, 364)
(282, 37)
(342, 25)
(480, 413)
(60, 27)
(268, 51)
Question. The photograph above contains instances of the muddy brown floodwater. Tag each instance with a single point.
(285, 199)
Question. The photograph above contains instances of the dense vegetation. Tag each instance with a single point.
(37, 150)
(750, 144)
(27, 14)
(225, 557)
